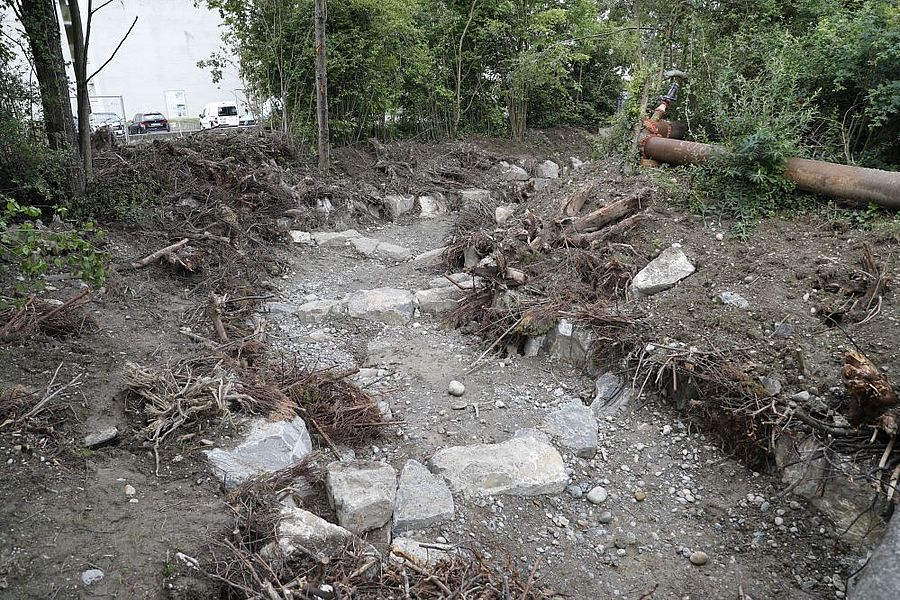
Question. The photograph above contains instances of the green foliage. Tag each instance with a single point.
(30, 249)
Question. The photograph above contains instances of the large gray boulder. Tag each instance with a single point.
(880, 578)
(663, 272)
(570, 342)
(521, 466)
(433, 206)
(385, 305)
(510, 172)
(362, 493)
(398, 205)
(269, 446)
(575, 427)
(298, 528)
(423, 499)
(547, 170)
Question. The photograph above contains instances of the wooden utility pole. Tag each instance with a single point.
(322, 86)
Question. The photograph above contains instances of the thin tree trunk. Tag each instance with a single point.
(79, 44)
(457, 97)
(322, 87)
(42, 29)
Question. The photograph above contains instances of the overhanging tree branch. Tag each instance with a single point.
(113, 55)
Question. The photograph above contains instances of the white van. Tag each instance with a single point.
(219, 114)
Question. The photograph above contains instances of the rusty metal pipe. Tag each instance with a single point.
(819, 177)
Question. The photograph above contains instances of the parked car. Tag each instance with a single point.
(147, 122)
(219, 114)
(112, 121)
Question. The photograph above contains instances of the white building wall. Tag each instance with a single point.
(159, 56)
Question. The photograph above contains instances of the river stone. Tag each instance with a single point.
(880, 578)
(398, 205)
(301, 237)
(570, 342)
(92, 576)
(547, 170)
(521, 466)
(575, 163)
(362, 493)
(734, 299)
(575, 427)
(663, 272)
(423, 499)
(99, 438)
(385, 305)
(598, 495)
(510, 172)
(456, 388)
(699, 558)
(269, 446)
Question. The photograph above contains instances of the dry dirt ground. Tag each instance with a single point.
(64, 508)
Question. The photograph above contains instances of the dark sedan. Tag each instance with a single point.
(148, 123)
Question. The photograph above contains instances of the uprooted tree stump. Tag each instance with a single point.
(870, 390)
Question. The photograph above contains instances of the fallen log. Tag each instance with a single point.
(586, 240)
(608, 214)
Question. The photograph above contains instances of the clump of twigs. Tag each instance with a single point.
(178, 398)
(23, 409)
(56, 319)
(340, 411)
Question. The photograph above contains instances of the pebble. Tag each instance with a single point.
(640, 495)
(95, 440)
(720, 237)
(456, 388)
(499, 404)
(92, 576)
(598, 495)
(605, 517)
(575, 491)
(129, 490)
(779, 521)
(699, 558)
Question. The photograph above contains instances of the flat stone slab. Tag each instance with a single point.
(362, 493)
(474, 195)
(331, 239)
(301, 237)
(317, 310)
(423, 499)
(393, 251)
(385, 305)
(404, 548)
(575, 427)
(611, 394)
(431, 258)
(269, 446)
(438, 301)
(663, 272)
(880, 578)
(521, 466)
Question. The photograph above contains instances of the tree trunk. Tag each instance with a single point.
(322, 87)
(457, 96)
(79, 44)
(42, 28)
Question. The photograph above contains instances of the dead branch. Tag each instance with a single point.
(571, 205)
(585, 240)
(151, 258)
